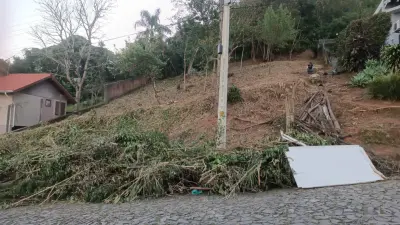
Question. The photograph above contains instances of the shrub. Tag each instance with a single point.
(234, 95)
(391, 57)
(362, 40)
(386, 87)
(373, 69)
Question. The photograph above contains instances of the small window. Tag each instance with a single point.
(48, 103)
(60, 109)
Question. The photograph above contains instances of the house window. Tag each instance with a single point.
(60, 108)
(48, 103)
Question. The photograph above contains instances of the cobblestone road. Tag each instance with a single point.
(377, 203)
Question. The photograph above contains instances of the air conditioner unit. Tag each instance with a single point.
(397, 26)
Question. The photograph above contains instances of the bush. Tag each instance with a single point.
(362, 40)
(386, 87)
(391, 57)
(234, 95)
(373, 69)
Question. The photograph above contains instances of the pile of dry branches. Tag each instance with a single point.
(317, 116)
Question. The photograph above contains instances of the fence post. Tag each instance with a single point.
(106, 97)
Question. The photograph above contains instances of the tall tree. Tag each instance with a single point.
(151, 24)
(142, 59)
(278, 27)
(32, 62)
(59, 33)
(197, 34)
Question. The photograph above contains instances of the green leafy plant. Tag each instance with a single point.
(234, 95)
(373, 69)
(386, 87)
(121, 162)
(391, 57)
(277, 28)
(311, 139)
(362, 40)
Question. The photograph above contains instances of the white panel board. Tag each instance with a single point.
(322, 166)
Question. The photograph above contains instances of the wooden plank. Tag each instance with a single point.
(306, 106)
(335, 122)
(328, 117)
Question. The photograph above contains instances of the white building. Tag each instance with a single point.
(392, 7)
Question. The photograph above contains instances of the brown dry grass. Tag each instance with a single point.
(192, 114)
(364, 119)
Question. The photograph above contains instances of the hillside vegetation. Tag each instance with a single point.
(134, 147)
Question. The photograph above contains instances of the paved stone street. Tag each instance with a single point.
(377, 203)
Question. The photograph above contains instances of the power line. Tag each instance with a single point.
(127, 35)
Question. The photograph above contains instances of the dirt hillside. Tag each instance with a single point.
(191, 115)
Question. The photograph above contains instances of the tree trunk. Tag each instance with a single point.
(253, 51)
(265, 55)
(241, 59)
(82, 79)
(78, 94)
(192, 61)
(205, 79)
(268, 52)
(184, 68)
(233, 50)
(184, 76)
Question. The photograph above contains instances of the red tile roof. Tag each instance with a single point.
(17, 82)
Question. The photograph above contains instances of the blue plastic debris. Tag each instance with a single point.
(196, 192)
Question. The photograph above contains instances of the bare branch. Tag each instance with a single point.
(66, 34)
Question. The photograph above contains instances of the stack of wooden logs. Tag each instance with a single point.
(317, 116)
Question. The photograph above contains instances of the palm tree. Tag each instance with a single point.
(152, 25)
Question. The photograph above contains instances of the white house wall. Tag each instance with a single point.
(45, 90)
(393, 37)
(5, 101)
(28, 106)
(27, 109)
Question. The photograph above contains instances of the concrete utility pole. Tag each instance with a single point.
(223, 78)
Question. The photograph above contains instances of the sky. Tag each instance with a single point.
(18, 16)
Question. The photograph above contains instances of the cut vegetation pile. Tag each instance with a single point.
(100, 159)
